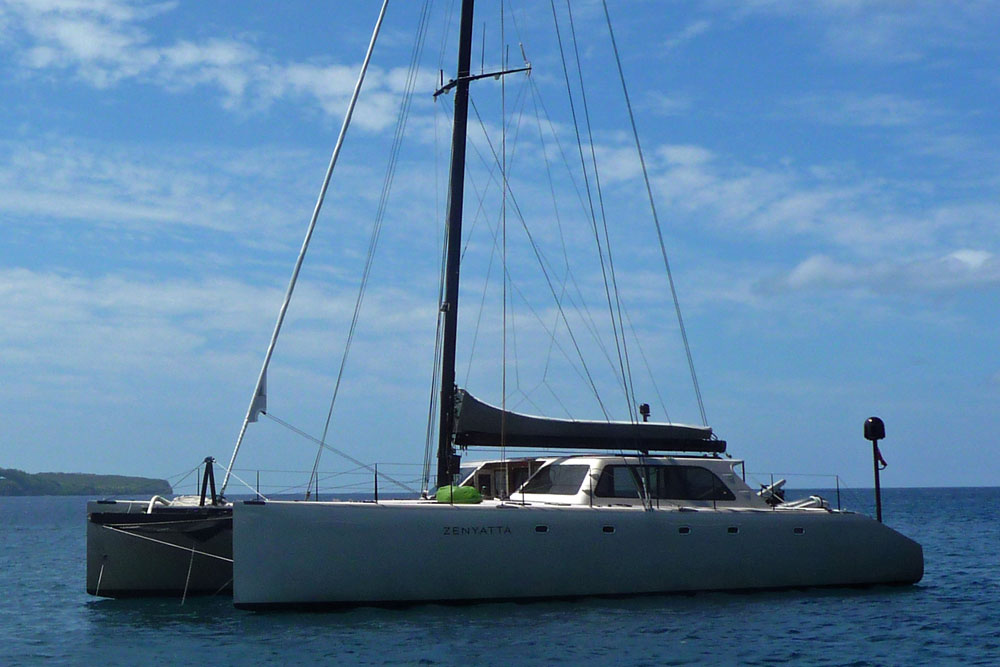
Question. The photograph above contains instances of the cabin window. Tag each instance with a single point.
(692, 483)
(557, 479)
(617, 482)
(662, 482)
(463, 474)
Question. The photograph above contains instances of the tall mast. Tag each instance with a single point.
(456, 192)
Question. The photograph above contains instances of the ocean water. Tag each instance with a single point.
(951, 617)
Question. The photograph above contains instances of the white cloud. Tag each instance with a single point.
(618, 164)
(109, 327)
(827, 204)
(974, 259)
(63, 179)
(159, 369)
(821, 270)
(873, 110)
(959, 269)
(105, 43)
(656, 103)
(687, 34)
(685, 155)
(884, 30)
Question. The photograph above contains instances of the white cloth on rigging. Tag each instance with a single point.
(259, 400)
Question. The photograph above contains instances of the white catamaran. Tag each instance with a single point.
(633, 507)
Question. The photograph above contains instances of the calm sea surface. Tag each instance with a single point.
(952, 616)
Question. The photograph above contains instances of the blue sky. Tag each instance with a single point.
(826, 174)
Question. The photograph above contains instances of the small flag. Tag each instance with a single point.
(878, 455)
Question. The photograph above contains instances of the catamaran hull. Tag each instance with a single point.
(314, 554)
(134, 554)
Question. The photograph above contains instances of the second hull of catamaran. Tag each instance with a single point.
(137, 549)
(315, 554)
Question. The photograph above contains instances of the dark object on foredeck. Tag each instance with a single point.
(208, 478)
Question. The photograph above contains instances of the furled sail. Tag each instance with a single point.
(479, 424)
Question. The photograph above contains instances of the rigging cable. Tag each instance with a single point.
(590, 200)
(645, 361)
(519, 102)
(588, 318)
(259, 389)
(325, 445)
(496, 247)
(656, 220)
(559, 228)
(402, 116)
(616, 324)
(432, 410)
(540, 258)
(503, 255)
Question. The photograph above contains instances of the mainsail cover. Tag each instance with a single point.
(479, 424)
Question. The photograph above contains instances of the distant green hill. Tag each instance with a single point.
(19, 483)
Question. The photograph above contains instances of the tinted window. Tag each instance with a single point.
(617, 482)
(561, 479)
(696, 484)
(463, 473)
(664, 482)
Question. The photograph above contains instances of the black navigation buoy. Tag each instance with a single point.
(875, 431)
